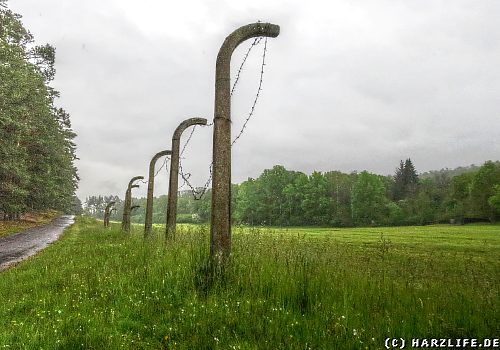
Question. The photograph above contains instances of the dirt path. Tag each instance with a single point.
(22, 245)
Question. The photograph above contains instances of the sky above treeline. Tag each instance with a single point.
(347, 85)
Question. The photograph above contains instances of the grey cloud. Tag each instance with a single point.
(347, 86)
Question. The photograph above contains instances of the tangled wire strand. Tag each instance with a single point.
(200, 191)
(163, 165)
(257, 95)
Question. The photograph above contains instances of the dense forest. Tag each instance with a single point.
(36, 140)
(280, 197)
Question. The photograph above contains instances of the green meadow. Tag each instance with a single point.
(297, 288)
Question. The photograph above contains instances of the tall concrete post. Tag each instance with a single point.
(220, 225)
(173, 185)
(128, 203)
(107, 213)
(148, 221)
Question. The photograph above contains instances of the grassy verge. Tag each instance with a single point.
(291, 289)
(28, 221)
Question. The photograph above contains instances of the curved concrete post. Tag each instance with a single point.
(128, 203)
(173, 184)
(148, 221)
(220, 225)
(107, 213)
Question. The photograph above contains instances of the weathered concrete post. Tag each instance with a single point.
(220, 226)
(128, 203)
(174, 174)
(107, 213)
(148, 221)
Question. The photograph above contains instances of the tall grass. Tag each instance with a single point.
(98, 288)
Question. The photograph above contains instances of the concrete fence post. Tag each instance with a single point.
(128, 202)
(107, 213)
(173, 185)
(148, 220)
(220, 226)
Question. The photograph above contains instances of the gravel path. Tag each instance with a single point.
(19, 246)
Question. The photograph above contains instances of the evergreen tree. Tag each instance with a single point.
(405, 181)
(36, 147)
(410, 178)
(398, 190)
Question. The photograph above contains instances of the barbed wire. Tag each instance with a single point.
(188, 139)
(257, 95)
(254, 43)
(158, 171)
(184, 176)
(199, 192)
(163, 165)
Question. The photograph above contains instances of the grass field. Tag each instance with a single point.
(303, 288)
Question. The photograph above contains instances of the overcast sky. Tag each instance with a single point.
(348, 85)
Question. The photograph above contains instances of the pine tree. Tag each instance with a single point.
(410, 178)
(405, 181)
(398, 189)
(36, 147)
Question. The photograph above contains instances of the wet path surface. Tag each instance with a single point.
(22, 245)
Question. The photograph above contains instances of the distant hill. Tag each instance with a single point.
(452, 172)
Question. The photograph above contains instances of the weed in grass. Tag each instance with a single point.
(384, 244)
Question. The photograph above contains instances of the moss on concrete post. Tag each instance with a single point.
(107, 213)
(220, 226)
(148, 220)
(127, 204)
(173, 185)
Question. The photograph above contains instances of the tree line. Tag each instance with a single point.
(281, 197)
(36, 139)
